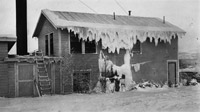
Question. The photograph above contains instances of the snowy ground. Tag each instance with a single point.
(173, 99)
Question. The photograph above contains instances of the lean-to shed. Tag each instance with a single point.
(6, 43)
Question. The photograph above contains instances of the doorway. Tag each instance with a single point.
(81, 81)
(172, 72)
(25, 80)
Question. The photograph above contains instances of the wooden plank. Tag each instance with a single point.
(25, 72)
(53, 77)
(59, 42)
(16, 81)
(26, 88)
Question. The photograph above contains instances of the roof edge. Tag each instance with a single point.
(7, 39)
(43, 12)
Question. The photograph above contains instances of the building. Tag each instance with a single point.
(18, 73)
(151, 44)
(6, 43)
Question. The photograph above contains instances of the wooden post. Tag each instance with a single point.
(16, 80)
(53, 77)
(59, 43)
(61, 79)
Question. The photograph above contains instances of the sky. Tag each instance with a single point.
(182, 13)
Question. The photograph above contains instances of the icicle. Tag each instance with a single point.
(114, 39)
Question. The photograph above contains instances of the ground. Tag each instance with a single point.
(185, 98)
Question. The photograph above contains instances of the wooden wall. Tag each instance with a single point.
(3, 79)
(3, 50)
(11, 76)
(158, 55)
(47, 28)
(3, 69)
(12, 82)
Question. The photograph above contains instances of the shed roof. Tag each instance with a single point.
(61, 19)
(8, 39)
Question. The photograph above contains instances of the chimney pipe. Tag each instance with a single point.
(21, 26)
(114, 15)
(163, 19)
(129, 13)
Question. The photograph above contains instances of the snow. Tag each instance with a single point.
(184, 99)
(116, 39)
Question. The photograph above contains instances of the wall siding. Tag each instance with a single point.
(11, 76)
(3, 79)
(47, 28)
(57, 78)
(4, 50)
(158, 55)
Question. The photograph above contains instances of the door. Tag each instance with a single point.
(172, 74)
(25, 80)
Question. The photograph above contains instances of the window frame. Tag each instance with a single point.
(83, 50)
(140, 46)
(49, 49)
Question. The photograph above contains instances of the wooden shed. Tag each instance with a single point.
(6, 44)
(23, 75)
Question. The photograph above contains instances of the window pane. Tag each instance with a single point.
(90, 46)
(46, 45)
(136, 47)
(75, 43)
(51, 44)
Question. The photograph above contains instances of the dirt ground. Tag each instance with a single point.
(183, 99)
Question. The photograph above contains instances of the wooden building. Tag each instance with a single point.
(23, 73)
(152, 43)
(6, 44)
(18, 74)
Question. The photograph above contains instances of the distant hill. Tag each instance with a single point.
(186, 55)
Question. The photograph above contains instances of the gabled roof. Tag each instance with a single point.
(60, 19)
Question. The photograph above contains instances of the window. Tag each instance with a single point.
(90, 46)
(136, 48)
(75, 43)
(49, 51)
(51, 44)
(79, 46)
(46, 45)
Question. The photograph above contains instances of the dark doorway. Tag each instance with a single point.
(81, 82)
(172, 74)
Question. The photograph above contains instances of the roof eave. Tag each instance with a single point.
(8, 39)
(35, 34)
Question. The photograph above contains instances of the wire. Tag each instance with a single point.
(121, 6)
(87, 6)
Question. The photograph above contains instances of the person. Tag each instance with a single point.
(122, 83)
(117, 82)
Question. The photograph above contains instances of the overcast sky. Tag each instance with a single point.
(182, 13)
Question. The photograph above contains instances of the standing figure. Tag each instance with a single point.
(122, 83)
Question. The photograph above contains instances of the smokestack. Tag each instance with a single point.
(21, 26)
(114, 15)
(163, 19)
(129, 13)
